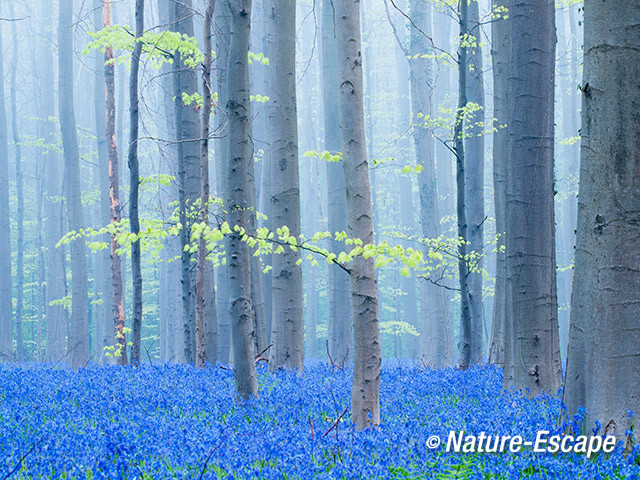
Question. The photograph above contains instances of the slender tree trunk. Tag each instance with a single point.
(20, 353)
(602, 367)
(210, 316)
(238, 200)
(104, 325)
(365, 394)
(53, 208)
(78, 347)
(6, 307)
(287, 300)
(201, 354)
(530, 229)
(466, 335)
(340, 328)
(222, 22)
(117, 299)
(474, 179)
(435, 332)
(40, 193)
(188, 133)
(500, 57)
(134, 182)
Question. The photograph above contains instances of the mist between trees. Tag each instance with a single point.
(230, 182)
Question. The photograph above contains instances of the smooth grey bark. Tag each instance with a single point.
(284, 207)
(238, 203)
(6, 307)
(222, 34)
(435, 332)
(500, 58)
(56, 317)
(188, 138)
(529, 221)
(259, 131)
(365, 393)
(134, 183)
(20, 352)
(40, 193)
(258, 127)
(201, 307)
(171, 310)
(104, 323)
(406, 304)
(465, 346)
(210, 316)
(604, 358)
(78, 345)
(474, 179)
(340, 327)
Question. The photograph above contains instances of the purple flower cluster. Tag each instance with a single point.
(173, 421)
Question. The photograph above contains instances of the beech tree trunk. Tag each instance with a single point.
(238, 199)
(500, 57)
(340, 327)
(56, 316)
(474, 179)
(287, 300)
(530, 228)
(20, 352)
(103, 326)
(134, 182)
(465, 346)
(116, 324)
(365, 393)
(201, 353)
(6, 307)
(435, 332)
(603, 362)
(188, 138)
(78, 345)
(222, 33)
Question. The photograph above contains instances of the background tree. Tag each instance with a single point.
(6, 334)
(78, 343)
(340, 327)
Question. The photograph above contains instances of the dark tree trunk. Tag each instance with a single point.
(134, 182)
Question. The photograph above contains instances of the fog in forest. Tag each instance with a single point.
(273, 218)
(54, 67)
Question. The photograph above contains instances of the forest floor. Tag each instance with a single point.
(178, 422)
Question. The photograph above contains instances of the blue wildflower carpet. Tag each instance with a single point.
(162, 422)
